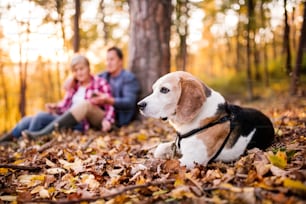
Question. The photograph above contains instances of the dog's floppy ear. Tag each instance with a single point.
(191, 100)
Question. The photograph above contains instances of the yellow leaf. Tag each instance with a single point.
(31, 180)
(142, 137)
(279, 159)
(39, 177)
(51, 190)
(179, 182)
(68, 156)
(298, 185)
(20, 161)
(3, 170)
(140, 180)
(68, 191)
(181, 192)
(17, 155)
(160, 192)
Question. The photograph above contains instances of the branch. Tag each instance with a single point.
(89, 141)
(108, 196)
(20, 167)
(47, 145)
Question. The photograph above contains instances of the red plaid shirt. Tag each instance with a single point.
(96, 85)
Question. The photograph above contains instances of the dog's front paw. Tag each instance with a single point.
(164, 151)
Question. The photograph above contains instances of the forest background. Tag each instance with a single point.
(246, 49)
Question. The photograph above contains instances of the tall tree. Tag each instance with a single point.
(250, 6)
(299, 58)
(149, 49)
(181, 23)
(286, 40)
(265, 49)
(4, 93)
(76, 29)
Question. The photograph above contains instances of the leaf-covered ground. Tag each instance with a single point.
(118, 167)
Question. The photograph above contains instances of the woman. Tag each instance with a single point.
(62, 114)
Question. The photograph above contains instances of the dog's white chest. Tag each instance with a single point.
(193, 151)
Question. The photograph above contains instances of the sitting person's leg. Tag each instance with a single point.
(92, 113)
(66, 120)
(85, 110)
(41, 120)
(23, 124)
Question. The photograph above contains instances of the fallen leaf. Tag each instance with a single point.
(293, 184)
(54, 171)
(9, 198)
(279, 159)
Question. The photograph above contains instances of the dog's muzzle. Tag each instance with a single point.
(142, 105)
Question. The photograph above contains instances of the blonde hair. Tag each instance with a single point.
(78, 58)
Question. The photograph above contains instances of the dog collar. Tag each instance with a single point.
(224, 119)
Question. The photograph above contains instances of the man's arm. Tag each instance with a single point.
(130, 92)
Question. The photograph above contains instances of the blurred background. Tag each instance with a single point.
(247, 49)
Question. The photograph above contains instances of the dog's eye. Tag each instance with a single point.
(164, 90)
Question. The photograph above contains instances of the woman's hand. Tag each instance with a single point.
(106, 125)
(99, 99)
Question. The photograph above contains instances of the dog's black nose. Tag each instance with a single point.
(142, 105)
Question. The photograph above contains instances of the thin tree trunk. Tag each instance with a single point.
(256, 61)
(23, 71)
(238, 45)
(76, 38)
(5, 97)
(299, 58)
(149, 50)
(182, 10)
(286, 41)
(265, 50)
(60, 11)
(249, 30)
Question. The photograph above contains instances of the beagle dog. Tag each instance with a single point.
(208, 127)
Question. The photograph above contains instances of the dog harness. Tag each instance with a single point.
(224, 119)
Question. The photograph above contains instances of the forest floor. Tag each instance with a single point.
(118, 167)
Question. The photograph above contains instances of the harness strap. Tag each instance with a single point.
(194, 131)
(224, 142)
(224, 119)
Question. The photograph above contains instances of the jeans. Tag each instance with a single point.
(37, 122)
(33, 123)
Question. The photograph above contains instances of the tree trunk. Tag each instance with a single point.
(76, 38)
(299, 58)
(286, 41)
(4, 97)
(265, 50)
(256, 61)
(238, 44)
(249, 30)
(23, 69)
(265, 61)
(182, 17)
(149, 50)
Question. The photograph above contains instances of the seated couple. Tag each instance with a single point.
(90, 101)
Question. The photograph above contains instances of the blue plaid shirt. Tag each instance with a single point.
(125, 90)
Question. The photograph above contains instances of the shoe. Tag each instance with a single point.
(8, 137)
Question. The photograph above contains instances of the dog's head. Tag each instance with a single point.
(177, 96)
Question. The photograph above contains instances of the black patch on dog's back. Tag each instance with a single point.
(246, 120)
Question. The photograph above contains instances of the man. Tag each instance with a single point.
(125, 88)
